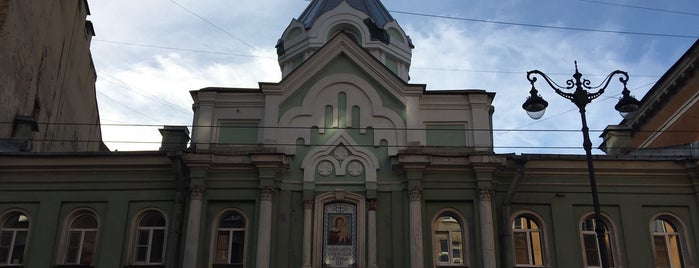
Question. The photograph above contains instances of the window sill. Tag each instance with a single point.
(227, 266)
(74, 266)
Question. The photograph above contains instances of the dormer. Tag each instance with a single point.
(367, 22)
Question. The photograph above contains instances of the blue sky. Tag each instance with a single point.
(149, 54)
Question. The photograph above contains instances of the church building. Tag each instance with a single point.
(344, 163)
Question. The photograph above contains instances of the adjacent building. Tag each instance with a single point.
(47, 79)
(344, 163)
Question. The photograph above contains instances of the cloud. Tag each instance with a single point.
(158, 94)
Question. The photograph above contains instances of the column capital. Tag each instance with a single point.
(308, 204)
(197, 192)
(415, 193)
(371, 204)
(485, 193)
(266, 193)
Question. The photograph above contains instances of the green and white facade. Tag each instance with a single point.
(342, 163)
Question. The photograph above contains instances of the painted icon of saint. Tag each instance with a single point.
(339, 234)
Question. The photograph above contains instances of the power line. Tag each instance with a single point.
(216, 26)
(148, 96)
(544, 26)
(640, 7)
(181, 49)
(349, 128)
(415, 68)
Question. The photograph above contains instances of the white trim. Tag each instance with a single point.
(3, 219)
(66, 231)
(339, 196)
(542, 230)
(685, 247)
(465, 250)
(133, 244)
(613, 236)
(214, 236)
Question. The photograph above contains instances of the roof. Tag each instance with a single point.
(376, 11)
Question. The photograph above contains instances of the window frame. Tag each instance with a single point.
(137, 228)
(214, 238)
(679, 233)
(532, 216)
(4, 217)
(612, 246)
(436, 242)
(66, 239)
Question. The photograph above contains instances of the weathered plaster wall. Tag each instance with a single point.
(48, 74)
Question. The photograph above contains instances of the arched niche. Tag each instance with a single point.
(340, 224)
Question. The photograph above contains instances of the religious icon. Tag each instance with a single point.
(339, 232)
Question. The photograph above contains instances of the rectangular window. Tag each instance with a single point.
(237, 247)
(222, 247)
(74, 240)
(5, 243)
(591, 250)
(446, 134)
(521, 248)
(238, 133)
(158, 242)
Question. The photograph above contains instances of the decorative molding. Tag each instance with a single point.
(340, 152)
(266, 194)
(308, 204)
(415, 194)
(485, 193)
(197, 192)
(355, 168)
(325, 168)
(371, 204)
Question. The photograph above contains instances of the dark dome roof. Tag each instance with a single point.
(376, 11)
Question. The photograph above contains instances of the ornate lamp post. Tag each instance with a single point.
(535, 106)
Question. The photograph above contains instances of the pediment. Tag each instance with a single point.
(342, 49)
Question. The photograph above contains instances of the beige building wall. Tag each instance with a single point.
(47, 77)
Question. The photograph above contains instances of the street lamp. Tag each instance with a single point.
(535, 106)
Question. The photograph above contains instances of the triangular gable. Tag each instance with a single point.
(342, 45)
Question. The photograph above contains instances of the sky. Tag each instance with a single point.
(149, 54)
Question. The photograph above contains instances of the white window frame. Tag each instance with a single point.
(678, 233)
(68, 230)
(528, 234)
(611, 235)
(149, 247)
(436, 242)
(214, 238)
(13, 240)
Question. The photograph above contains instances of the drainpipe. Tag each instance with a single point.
(506, 230)
(174, 143)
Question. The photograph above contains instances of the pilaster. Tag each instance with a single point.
(371, 221)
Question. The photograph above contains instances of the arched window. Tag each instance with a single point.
(667, 244)
(591, 246)
(13, 238)
(528, 241)
(448, 240)
(149, 239)
(229, 245)
(81, 238)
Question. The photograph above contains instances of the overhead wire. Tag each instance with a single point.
(141, 92)
(544, 26)
(181, 49)
(347, 128)
(640, 7)
(217, 27)
(407, 13)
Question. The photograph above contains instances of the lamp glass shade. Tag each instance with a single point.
(535, 106)
(627, 105)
